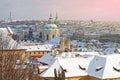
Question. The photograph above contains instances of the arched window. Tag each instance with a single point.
(40, 36)
(53, 35)
(47, 37)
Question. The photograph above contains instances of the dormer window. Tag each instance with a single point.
(82, 68)
(98, 68)
(65, 70)
(118, 70)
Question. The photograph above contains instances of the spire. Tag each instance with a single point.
(50, 19)
(56, 16)
(56, 19)
(50, 16)
(10, 17)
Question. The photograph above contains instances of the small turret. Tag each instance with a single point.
(57, 21)
(56, 16)
(50, 19)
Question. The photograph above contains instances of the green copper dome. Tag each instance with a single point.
(50, 27)
(56, 22)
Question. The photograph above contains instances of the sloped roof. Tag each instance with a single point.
(9, 30)
(102, 67)
(47, 59)
(6, 41)
(50, 71)
(109, 50)
(37, 47)
(55, 41)
(108, 64)
(71, 65)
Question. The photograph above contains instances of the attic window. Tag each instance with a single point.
(65, 70)
(118, 70)
(82, 68)
(98, 68)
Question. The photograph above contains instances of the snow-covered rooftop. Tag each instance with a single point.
(47, 59)
(55, 41)
(6, 41)
(105, 67)
(71, 65)
(102, 67)
(109, 51)
(46, 47)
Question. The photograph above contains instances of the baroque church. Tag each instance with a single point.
(51, 29)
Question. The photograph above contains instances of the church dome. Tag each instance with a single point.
(50, 27)
(56, 22)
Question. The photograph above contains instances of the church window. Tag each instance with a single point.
(40, 35)
(47, 37)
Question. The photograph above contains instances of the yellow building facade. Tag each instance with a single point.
(36, 53)
(79, 78)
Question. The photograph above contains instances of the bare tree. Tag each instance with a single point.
(10, 68)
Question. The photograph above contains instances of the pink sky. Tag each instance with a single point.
(67, 9)
(92, 9)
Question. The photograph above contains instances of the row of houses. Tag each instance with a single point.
(88, 66)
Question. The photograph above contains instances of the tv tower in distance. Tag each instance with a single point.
(10, 17)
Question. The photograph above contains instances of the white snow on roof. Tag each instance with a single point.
(4, 31)
(50, 71)
(47, 59)
(38, 47)
(71, 65)
(109, 51)
(94, 64)
(55, 41)
(88, 53)
(79, 44)
(108, 65)
(103, 67)
(118, 50)
(10, 30)
(6, 40)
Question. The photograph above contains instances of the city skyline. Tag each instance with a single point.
(106, 10)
